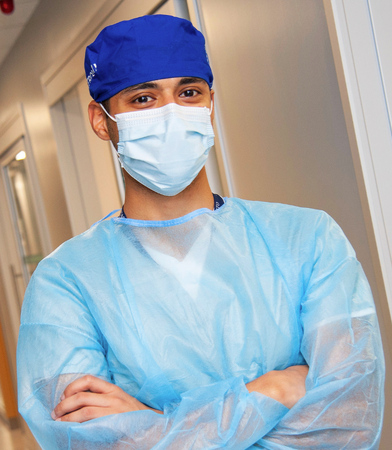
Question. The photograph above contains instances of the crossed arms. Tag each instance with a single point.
(90, 397)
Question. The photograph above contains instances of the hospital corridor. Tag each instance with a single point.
(291, 100)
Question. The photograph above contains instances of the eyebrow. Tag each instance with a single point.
(190, 80)
(138, 87)
(154, 85)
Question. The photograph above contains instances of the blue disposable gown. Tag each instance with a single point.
(181, 313)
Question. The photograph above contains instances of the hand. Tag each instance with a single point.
(286, 386)
(90, 397)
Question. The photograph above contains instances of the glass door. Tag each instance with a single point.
(23, 215)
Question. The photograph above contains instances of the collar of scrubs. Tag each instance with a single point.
(218, 202)
(188, 269)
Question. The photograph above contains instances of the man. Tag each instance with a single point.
(192, 321)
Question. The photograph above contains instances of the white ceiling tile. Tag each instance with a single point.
(12, 25)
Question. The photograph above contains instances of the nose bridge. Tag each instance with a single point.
(168, 96)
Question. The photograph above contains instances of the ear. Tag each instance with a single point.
(98, 120)
(212, 104)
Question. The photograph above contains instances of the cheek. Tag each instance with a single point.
(113, 133)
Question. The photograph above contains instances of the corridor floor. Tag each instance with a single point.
(14, 439)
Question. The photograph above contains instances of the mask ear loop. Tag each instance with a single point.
(111, 143)
(101, 105)
(212, 107)
(116, 152)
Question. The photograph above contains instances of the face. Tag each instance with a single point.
(155, 94)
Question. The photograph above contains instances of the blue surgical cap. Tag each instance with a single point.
(144, 49)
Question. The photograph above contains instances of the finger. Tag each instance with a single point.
(85, 414)
(87, 383)
(79, 400)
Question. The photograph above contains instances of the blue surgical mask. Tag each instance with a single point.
(165, 148)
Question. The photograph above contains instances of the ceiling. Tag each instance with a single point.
(12, 25)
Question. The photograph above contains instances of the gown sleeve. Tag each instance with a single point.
(343, 406)
(60, 342)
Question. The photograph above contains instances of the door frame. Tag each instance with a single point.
(11, 131)
(363, 89)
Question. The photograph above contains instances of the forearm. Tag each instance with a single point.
(89, 398)
(343, 406)
(223, 414)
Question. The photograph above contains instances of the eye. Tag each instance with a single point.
(189, 93)
(143, 99)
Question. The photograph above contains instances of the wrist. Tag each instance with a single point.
(285, 386)
(269, 385)
(151, 409)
